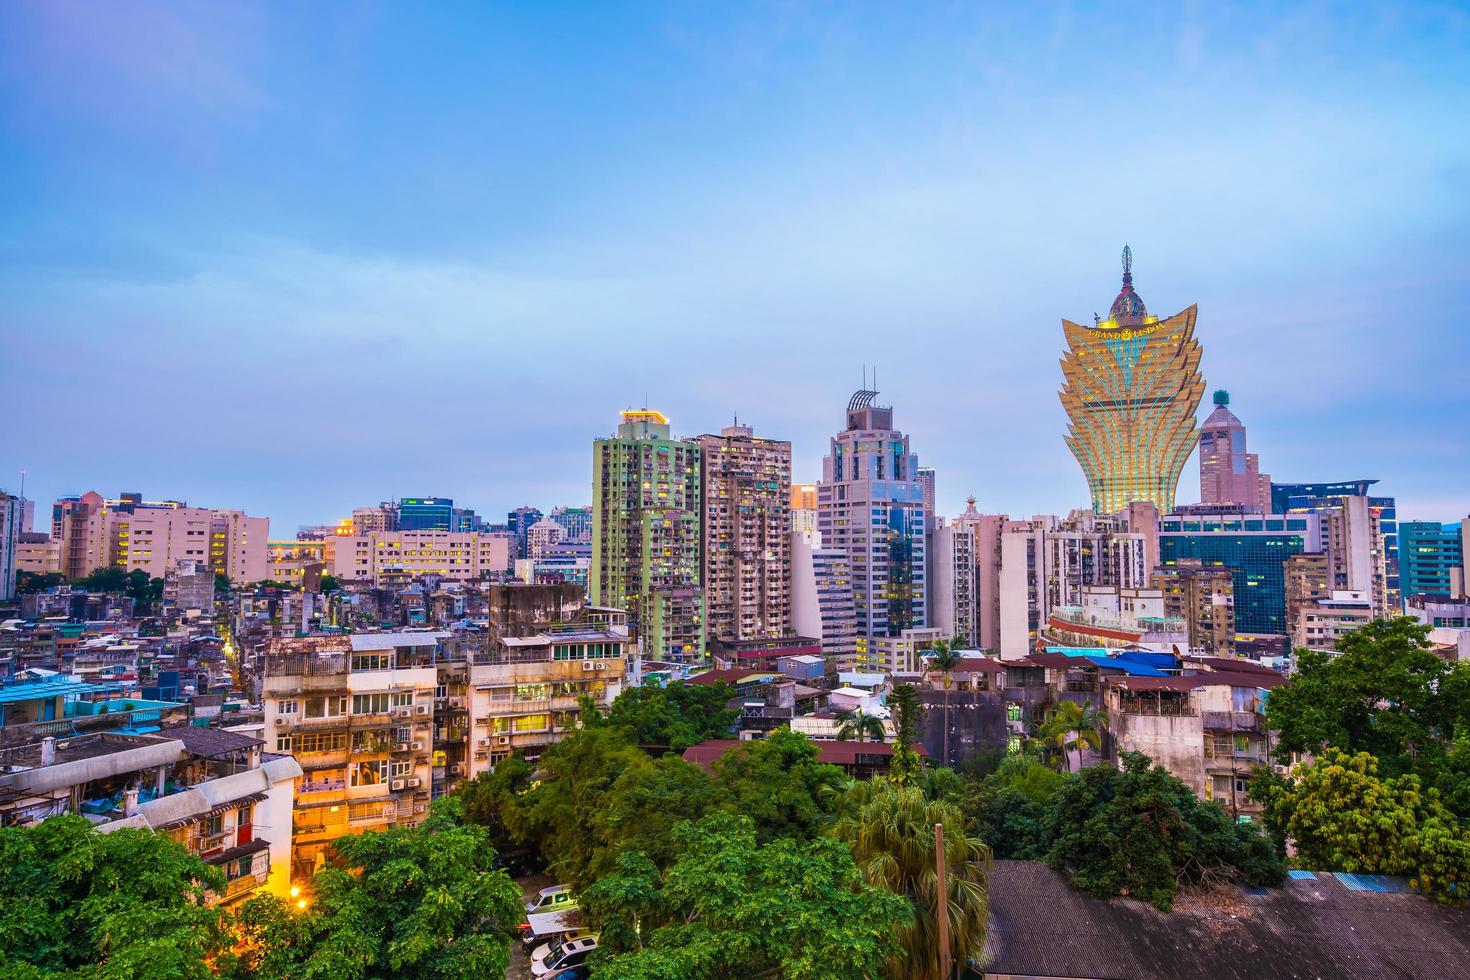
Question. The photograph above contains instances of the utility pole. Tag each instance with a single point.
(945, 972)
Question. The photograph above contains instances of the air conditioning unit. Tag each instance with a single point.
(405, 712)
(502, 740)
(422, 709)
(420, 808)
(402, 747)
(457, 768)
(456, 702)
(418, 746)
(484, 743)
(601, 665)
(396, 785)
(413, 782)
(587, 665)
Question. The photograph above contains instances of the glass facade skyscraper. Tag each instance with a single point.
(1254, 548)
(1430, 555)
(1131, 388)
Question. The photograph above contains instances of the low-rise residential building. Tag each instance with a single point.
(357, 713)
(384, 558)
(1320, 624)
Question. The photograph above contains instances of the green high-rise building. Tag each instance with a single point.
(1431, 556)
(646, 535)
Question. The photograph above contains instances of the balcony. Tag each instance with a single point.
(1232, 721)
(321, 786)
(244, 884)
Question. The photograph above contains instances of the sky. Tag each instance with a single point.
(296, 258)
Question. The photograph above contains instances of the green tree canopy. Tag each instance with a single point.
(79, 903)
(1140, 831)
(908, 725)
(731, 907)
(678, 715)
(415, 902)
(1384, 693)
(28, 582)
(1008, 808)
(778, 782)
(1341, 815)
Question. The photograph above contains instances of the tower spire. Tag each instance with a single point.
(1127, 265)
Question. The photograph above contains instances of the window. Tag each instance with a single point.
(403, 734)
(283, 743)
(371, 661)
(288, 707)
(401, 769)
(532, 723)
(368, 773)
(369, 704)
(320, 742)
(403, 700)
(328, 707)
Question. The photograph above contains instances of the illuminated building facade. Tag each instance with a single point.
(1131, 389)
(871, 505)
(646, 535)
(747, 534)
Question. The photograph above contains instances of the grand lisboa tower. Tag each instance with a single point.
(1131, 388)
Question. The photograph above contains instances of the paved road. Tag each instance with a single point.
(520, 960)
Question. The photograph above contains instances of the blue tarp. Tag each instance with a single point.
(1129, 667)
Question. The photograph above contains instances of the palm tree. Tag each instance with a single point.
(855, 725)
(890, 829)
(908, 720)
(945, 657)
(1068, 728)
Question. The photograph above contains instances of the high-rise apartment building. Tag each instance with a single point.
(871, 505)
(646, 535)
(519, 522)
(1131, 387)
(926, 480)
(822, 598)
(11, 525)
(952, 580)
(1323, 498)
(543, 535)
(1203, 596)
(803, 507)
(747, 534)
(1308, 581)
(1431, 559)
(366, 520)
(1227, 473)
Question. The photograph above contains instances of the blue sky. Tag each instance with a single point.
(296, 258)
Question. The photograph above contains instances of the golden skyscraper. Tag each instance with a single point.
(1131, 387)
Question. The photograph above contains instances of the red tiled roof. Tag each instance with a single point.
(730, 675)
(1234, 664)
(1242, 679)
(975, 665)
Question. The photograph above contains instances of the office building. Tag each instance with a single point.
(1203, 598)
(433, 514)
(577, 521)
(1255, 548)
(646, 535)
(747, 535)
(1227, 473)
(357, 714)
(1131, 387)
(871, 505)
(37, 553)
(822, 604)
(1366, 556)
(1431, 559)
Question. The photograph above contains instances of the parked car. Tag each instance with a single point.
(575, 973)
(557, 898)
(555, 957)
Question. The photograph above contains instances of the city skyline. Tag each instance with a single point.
(189, 220)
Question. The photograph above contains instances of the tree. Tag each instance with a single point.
(644, 806)
(28, 582)
(855, 725)
(908, 715)
(1341, 815)
(778, 782)
(678, 715)
(108, 579)
(82, 903)
(144, 591)
(405, 902)
(732, 907)
(1140, 831)
(329, 584)
(945, 657)
(221, 583)
(1009, 807)
(890, 829)
(1067, 728)
(1384, 693)
(493, 800)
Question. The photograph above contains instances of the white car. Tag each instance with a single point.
(561, 954)
(557, 898)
